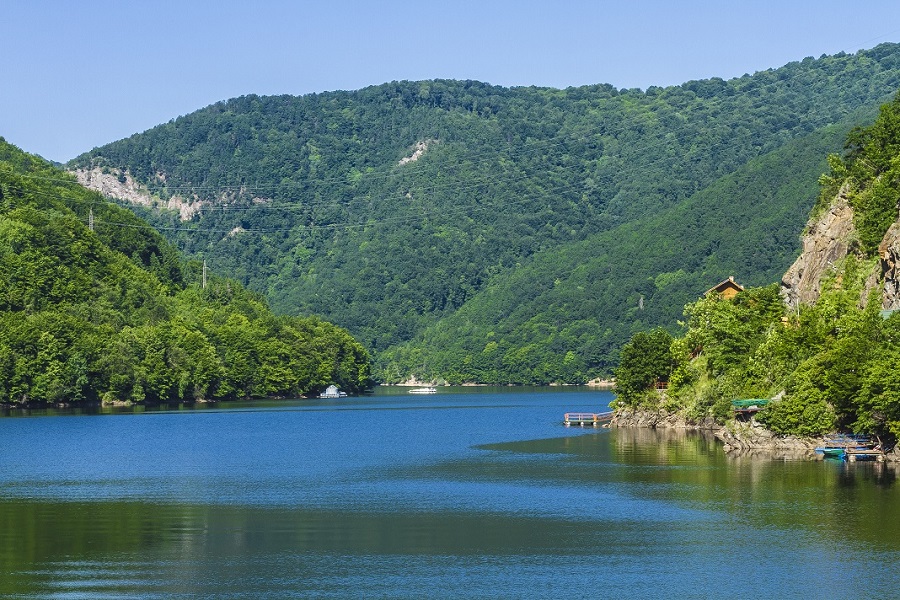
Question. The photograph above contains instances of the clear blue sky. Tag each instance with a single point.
(79, 74)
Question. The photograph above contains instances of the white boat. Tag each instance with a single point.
(423, 390)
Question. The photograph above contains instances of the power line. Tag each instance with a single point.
(335, 226)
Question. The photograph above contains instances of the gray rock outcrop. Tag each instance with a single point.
(827, 240)
(889, 252)
(657, 419)
(743, 436)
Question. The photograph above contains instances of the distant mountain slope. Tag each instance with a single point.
(821, 355)
(564, 314)
(96, 306)
(389, 209)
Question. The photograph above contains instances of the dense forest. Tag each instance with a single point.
(828, 365)
(480, 233)
(96, 306)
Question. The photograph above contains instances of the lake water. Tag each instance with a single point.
(469, 493)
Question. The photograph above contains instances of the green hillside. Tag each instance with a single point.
(309, 201)
(550, 320)
(826, 366)
(112, 314)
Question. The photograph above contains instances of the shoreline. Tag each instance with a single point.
(738, 438)
(5, 406)
(600, 384)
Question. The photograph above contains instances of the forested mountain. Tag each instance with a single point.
(644, 271)
(97, 306)
(500, 234)
(827, 350)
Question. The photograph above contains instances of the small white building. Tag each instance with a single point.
(332, 392)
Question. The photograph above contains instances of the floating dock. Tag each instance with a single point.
(585, 419)
(851, 447)
(854, 454)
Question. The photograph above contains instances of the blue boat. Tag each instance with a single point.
(845, 446)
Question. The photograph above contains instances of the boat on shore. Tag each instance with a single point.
(423, 390)
(850, 447)
(332, 392)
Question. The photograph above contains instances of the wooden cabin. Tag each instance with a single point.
(728, 289)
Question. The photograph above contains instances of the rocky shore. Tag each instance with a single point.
(658, 419)
(738, 437)
(750, 435)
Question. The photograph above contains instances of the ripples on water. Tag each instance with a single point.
(480, 494)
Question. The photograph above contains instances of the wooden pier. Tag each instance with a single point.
(854, 454)
(584, 419)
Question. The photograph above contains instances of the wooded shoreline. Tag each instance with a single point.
(739, 438)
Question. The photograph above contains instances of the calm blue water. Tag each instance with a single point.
(475, 493)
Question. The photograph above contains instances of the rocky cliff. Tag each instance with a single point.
(831, 237)
(121, 185)
(889, 253)
(827, 240)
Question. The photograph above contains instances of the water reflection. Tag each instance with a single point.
(764, 490)
(124, 547)
(408, 497)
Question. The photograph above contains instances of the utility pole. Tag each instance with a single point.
(204, 274)
(91, 219)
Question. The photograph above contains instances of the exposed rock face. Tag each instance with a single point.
(420, 149)
(750, 435)
(889, 251)
(628, 417)
(111, 185)
(122, 186)
(826, 241)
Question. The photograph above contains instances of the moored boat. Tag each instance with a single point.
(332, 391)
(850, 447)
(423, 390)
(832, 452)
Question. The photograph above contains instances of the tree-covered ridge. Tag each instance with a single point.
(564, 314)
(831, 365)
(328, 221)
(109, 314)
(869, 175)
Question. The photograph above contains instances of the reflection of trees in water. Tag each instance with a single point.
(879, 473)
(783, 489)
(665, 446)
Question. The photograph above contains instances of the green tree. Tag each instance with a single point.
(645, 360)
(82, 321)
